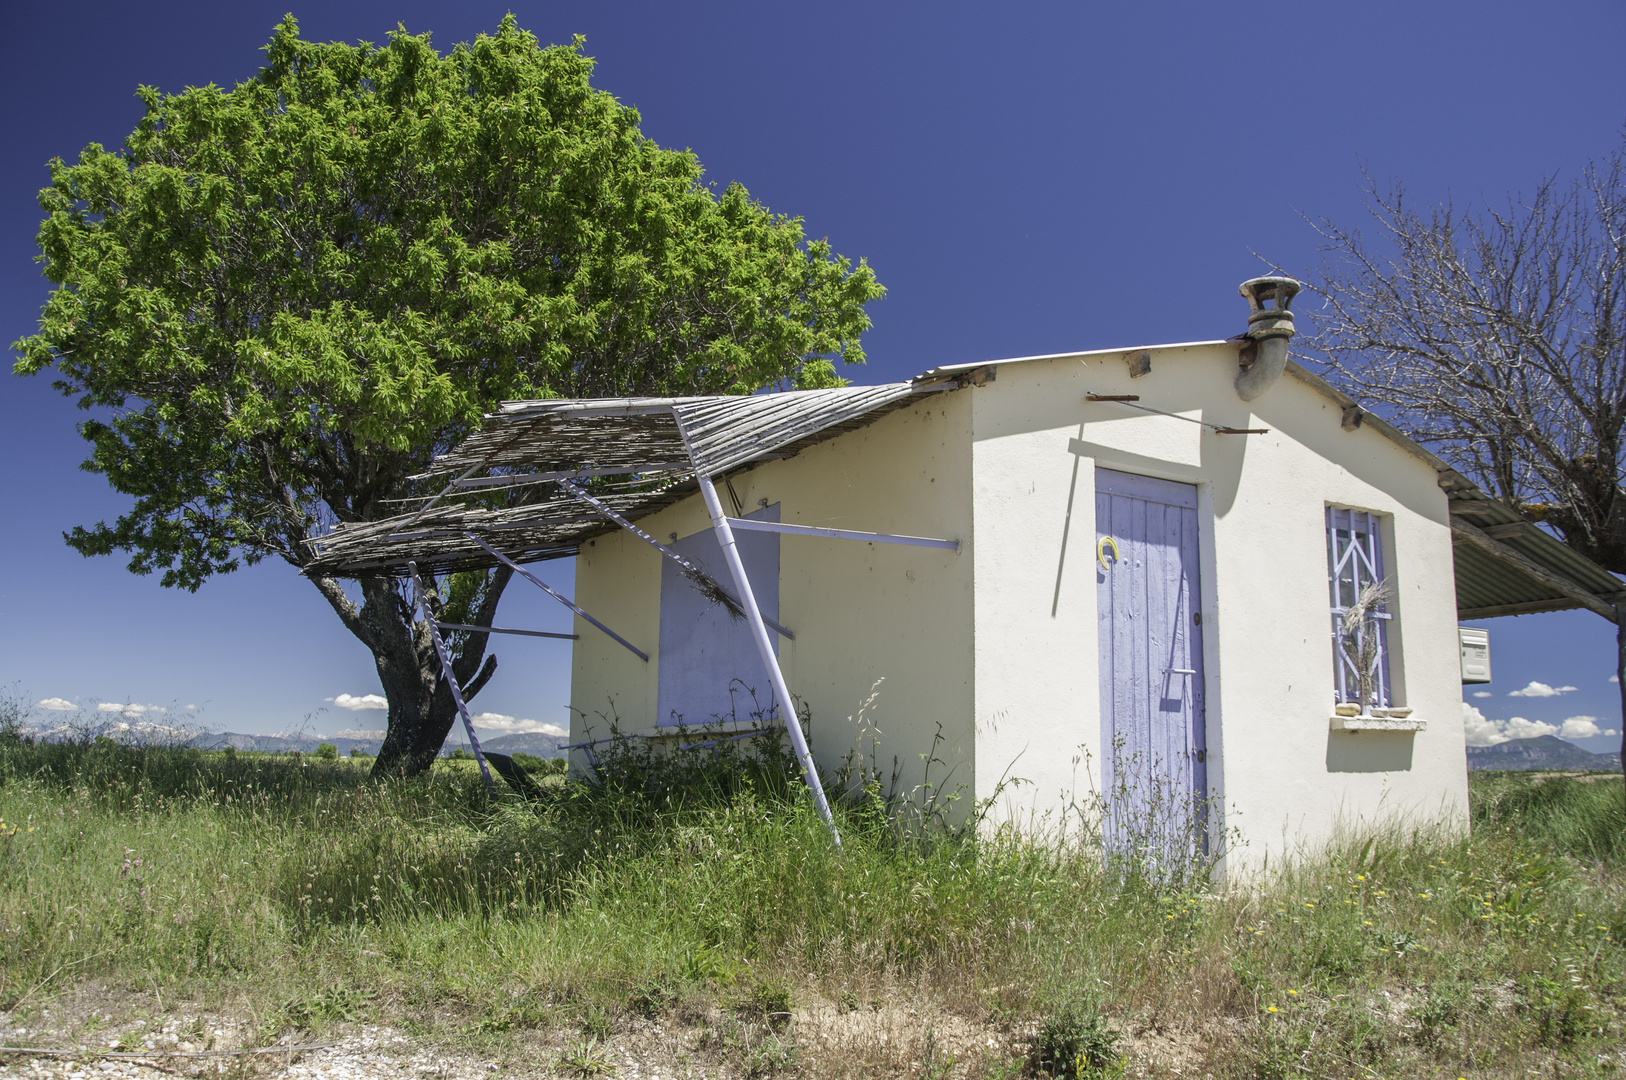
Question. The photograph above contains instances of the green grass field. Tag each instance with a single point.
(301, 894)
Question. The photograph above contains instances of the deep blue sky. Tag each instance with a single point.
(1024, 179)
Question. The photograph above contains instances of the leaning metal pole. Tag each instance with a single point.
(451, 679)
(1620, 677)
(759, 631)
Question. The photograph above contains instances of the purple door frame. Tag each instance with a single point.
(1154, 766)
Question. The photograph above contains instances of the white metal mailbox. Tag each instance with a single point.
(1475, 654)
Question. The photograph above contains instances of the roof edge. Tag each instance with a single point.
(1294, 368)
(1368, 418)
(956, 369)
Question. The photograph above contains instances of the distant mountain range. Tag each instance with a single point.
(528, 742)
(525, 742)
(1541, 752)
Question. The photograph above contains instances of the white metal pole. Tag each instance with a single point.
(759, 631)
(451, 680)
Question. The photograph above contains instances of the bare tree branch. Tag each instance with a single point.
(1497, 338)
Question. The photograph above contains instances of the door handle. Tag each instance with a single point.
(1179, 671)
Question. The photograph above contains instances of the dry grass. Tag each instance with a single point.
(702, 924)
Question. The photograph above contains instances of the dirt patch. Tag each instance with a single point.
(901, 1035)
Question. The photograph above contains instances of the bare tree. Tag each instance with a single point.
(1496, 338)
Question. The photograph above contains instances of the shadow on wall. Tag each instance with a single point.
(1369, 751)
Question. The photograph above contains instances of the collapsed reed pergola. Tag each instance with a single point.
(567, 471)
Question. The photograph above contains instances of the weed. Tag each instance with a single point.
(1439, 1011)
(1280, 1052)
(708, 964)
(936, 1062)
(768, 1002)
(597, 1023)
(1075, 1042)
(772, 1055)
(650, 998)
(586, 1058)
(1558, 1011)
(330, 1005)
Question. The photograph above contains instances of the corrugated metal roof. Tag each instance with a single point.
(636, 451)
(1488, 586)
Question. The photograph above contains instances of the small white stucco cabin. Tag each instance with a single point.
(1194, 575)
(1149, 567)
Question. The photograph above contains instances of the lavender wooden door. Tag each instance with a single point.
(1154, 768)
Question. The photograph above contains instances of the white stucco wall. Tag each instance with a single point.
(1285, 780)
(1009, 668)
(861, 612)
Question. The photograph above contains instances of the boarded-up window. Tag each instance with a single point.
(709, 664)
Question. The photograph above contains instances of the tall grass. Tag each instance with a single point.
(1397, 952)
(1581, 816)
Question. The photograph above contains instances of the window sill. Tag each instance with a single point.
(1377, 723)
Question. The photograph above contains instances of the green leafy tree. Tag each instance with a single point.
(278, 301)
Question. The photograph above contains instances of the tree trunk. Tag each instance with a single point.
(421, 709)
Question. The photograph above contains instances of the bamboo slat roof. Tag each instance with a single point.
(507, 475)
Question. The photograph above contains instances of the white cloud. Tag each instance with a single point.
(129, 708)
(357, 733)
(1541, 689)
(1520, 728)
(358, 704)
(56, 704)
(1483, 693)
(1614, 678)
(1584, 727)
(510, 725)
(1481, 731)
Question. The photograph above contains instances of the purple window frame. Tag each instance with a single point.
(1355, 560)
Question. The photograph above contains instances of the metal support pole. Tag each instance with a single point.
(451, 680)
(571, 604)
(759, 631)
(688, 567)
(750, 525)
(506, 630)
(1620, 677)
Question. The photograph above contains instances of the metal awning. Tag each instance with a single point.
(1507, 566)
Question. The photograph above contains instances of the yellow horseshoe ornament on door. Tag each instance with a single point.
(1101, 552)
